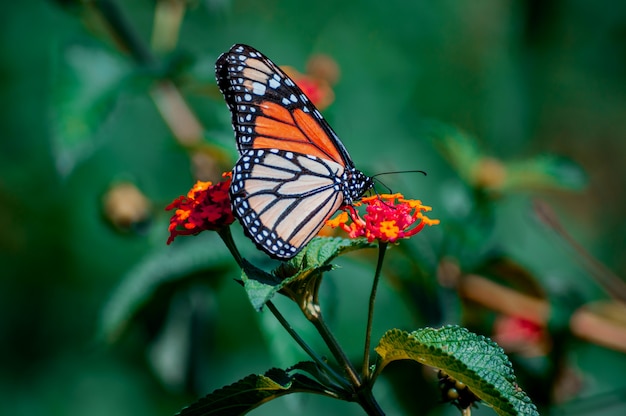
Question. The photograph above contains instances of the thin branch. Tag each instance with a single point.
(612, 284)
(124, 33)
(318, 321)
(302, 343)
(584, 323)
(382, 248)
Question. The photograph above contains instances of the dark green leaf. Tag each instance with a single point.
(260, 286)
(313, 369)
(473, 359)
(314, 259)
(163, 266)
(88, 81)
(250, 392)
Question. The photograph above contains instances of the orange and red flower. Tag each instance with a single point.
(206, 207)
(321, 74)
(387, 218)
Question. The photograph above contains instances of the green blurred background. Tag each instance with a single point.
(524, 78)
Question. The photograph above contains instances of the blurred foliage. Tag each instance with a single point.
(536, 92)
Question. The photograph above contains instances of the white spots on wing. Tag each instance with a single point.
(274, 84)
(258, 88)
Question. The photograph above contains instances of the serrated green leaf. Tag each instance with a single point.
(250, 392)
(473, 359)
(260, 285)
(85, 89)
(314, 259)
(545, 172)
(163, 266)
(314, 370)
(321, 250)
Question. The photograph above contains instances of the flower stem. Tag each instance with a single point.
(382, 247)
(227, 238)
(302, 343)
(369, 403)
(125, 32)
(318, 321)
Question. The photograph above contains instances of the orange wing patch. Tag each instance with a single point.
(288, 146)
(317, 135)
(276, 111)
(297, 132)
(272, 128)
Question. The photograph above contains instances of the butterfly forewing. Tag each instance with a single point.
(293, 173)
(270, 111)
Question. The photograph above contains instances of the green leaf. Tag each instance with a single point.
(545, 172)
(252, 391)
(161, 267)
(460, 149)
(473, 359)
(260, 285)
(86, 86)
(313, 260)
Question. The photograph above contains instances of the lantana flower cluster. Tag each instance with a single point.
(206, 207)
(387, 218)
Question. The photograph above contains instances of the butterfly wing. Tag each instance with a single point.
(269, 111)
(282, 198)
(293, 170)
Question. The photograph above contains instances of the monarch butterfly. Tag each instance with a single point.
(293, 172)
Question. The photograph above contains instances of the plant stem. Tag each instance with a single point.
(369, 403)
(613, 285)
(124, 32)
(227, 238)
(335, 348)
(382, 247)
(302, 343)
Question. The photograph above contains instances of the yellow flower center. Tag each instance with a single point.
(389, 229)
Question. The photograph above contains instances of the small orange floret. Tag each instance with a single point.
(388, 218)
(206, 207)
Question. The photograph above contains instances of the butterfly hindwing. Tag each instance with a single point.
(282, 198)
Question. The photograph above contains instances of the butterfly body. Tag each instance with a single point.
(293, 172)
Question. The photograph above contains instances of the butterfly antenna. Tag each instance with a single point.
(382, 183)
(374, 178)
(399, 171)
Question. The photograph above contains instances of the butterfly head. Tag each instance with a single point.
(355, 184)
